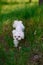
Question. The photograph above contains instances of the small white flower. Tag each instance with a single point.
(35, 32)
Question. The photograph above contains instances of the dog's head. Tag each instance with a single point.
(18, 35)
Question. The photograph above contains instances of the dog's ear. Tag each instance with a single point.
(13, 31)
(22, 35)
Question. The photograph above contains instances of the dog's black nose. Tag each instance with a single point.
(16, 38)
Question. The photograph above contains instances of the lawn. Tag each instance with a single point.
(31, 51)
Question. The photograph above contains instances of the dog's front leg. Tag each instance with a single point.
(16, 43)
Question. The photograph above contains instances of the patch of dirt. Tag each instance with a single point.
(3, 43)
(36, 59)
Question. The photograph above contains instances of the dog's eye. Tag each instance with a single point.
(18, 36)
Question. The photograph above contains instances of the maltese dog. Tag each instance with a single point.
(18, 33)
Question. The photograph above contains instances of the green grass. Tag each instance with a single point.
(32, 44)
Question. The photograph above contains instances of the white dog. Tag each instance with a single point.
(18, 33)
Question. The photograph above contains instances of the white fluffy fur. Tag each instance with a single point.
(18, 25)
(18, 33)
